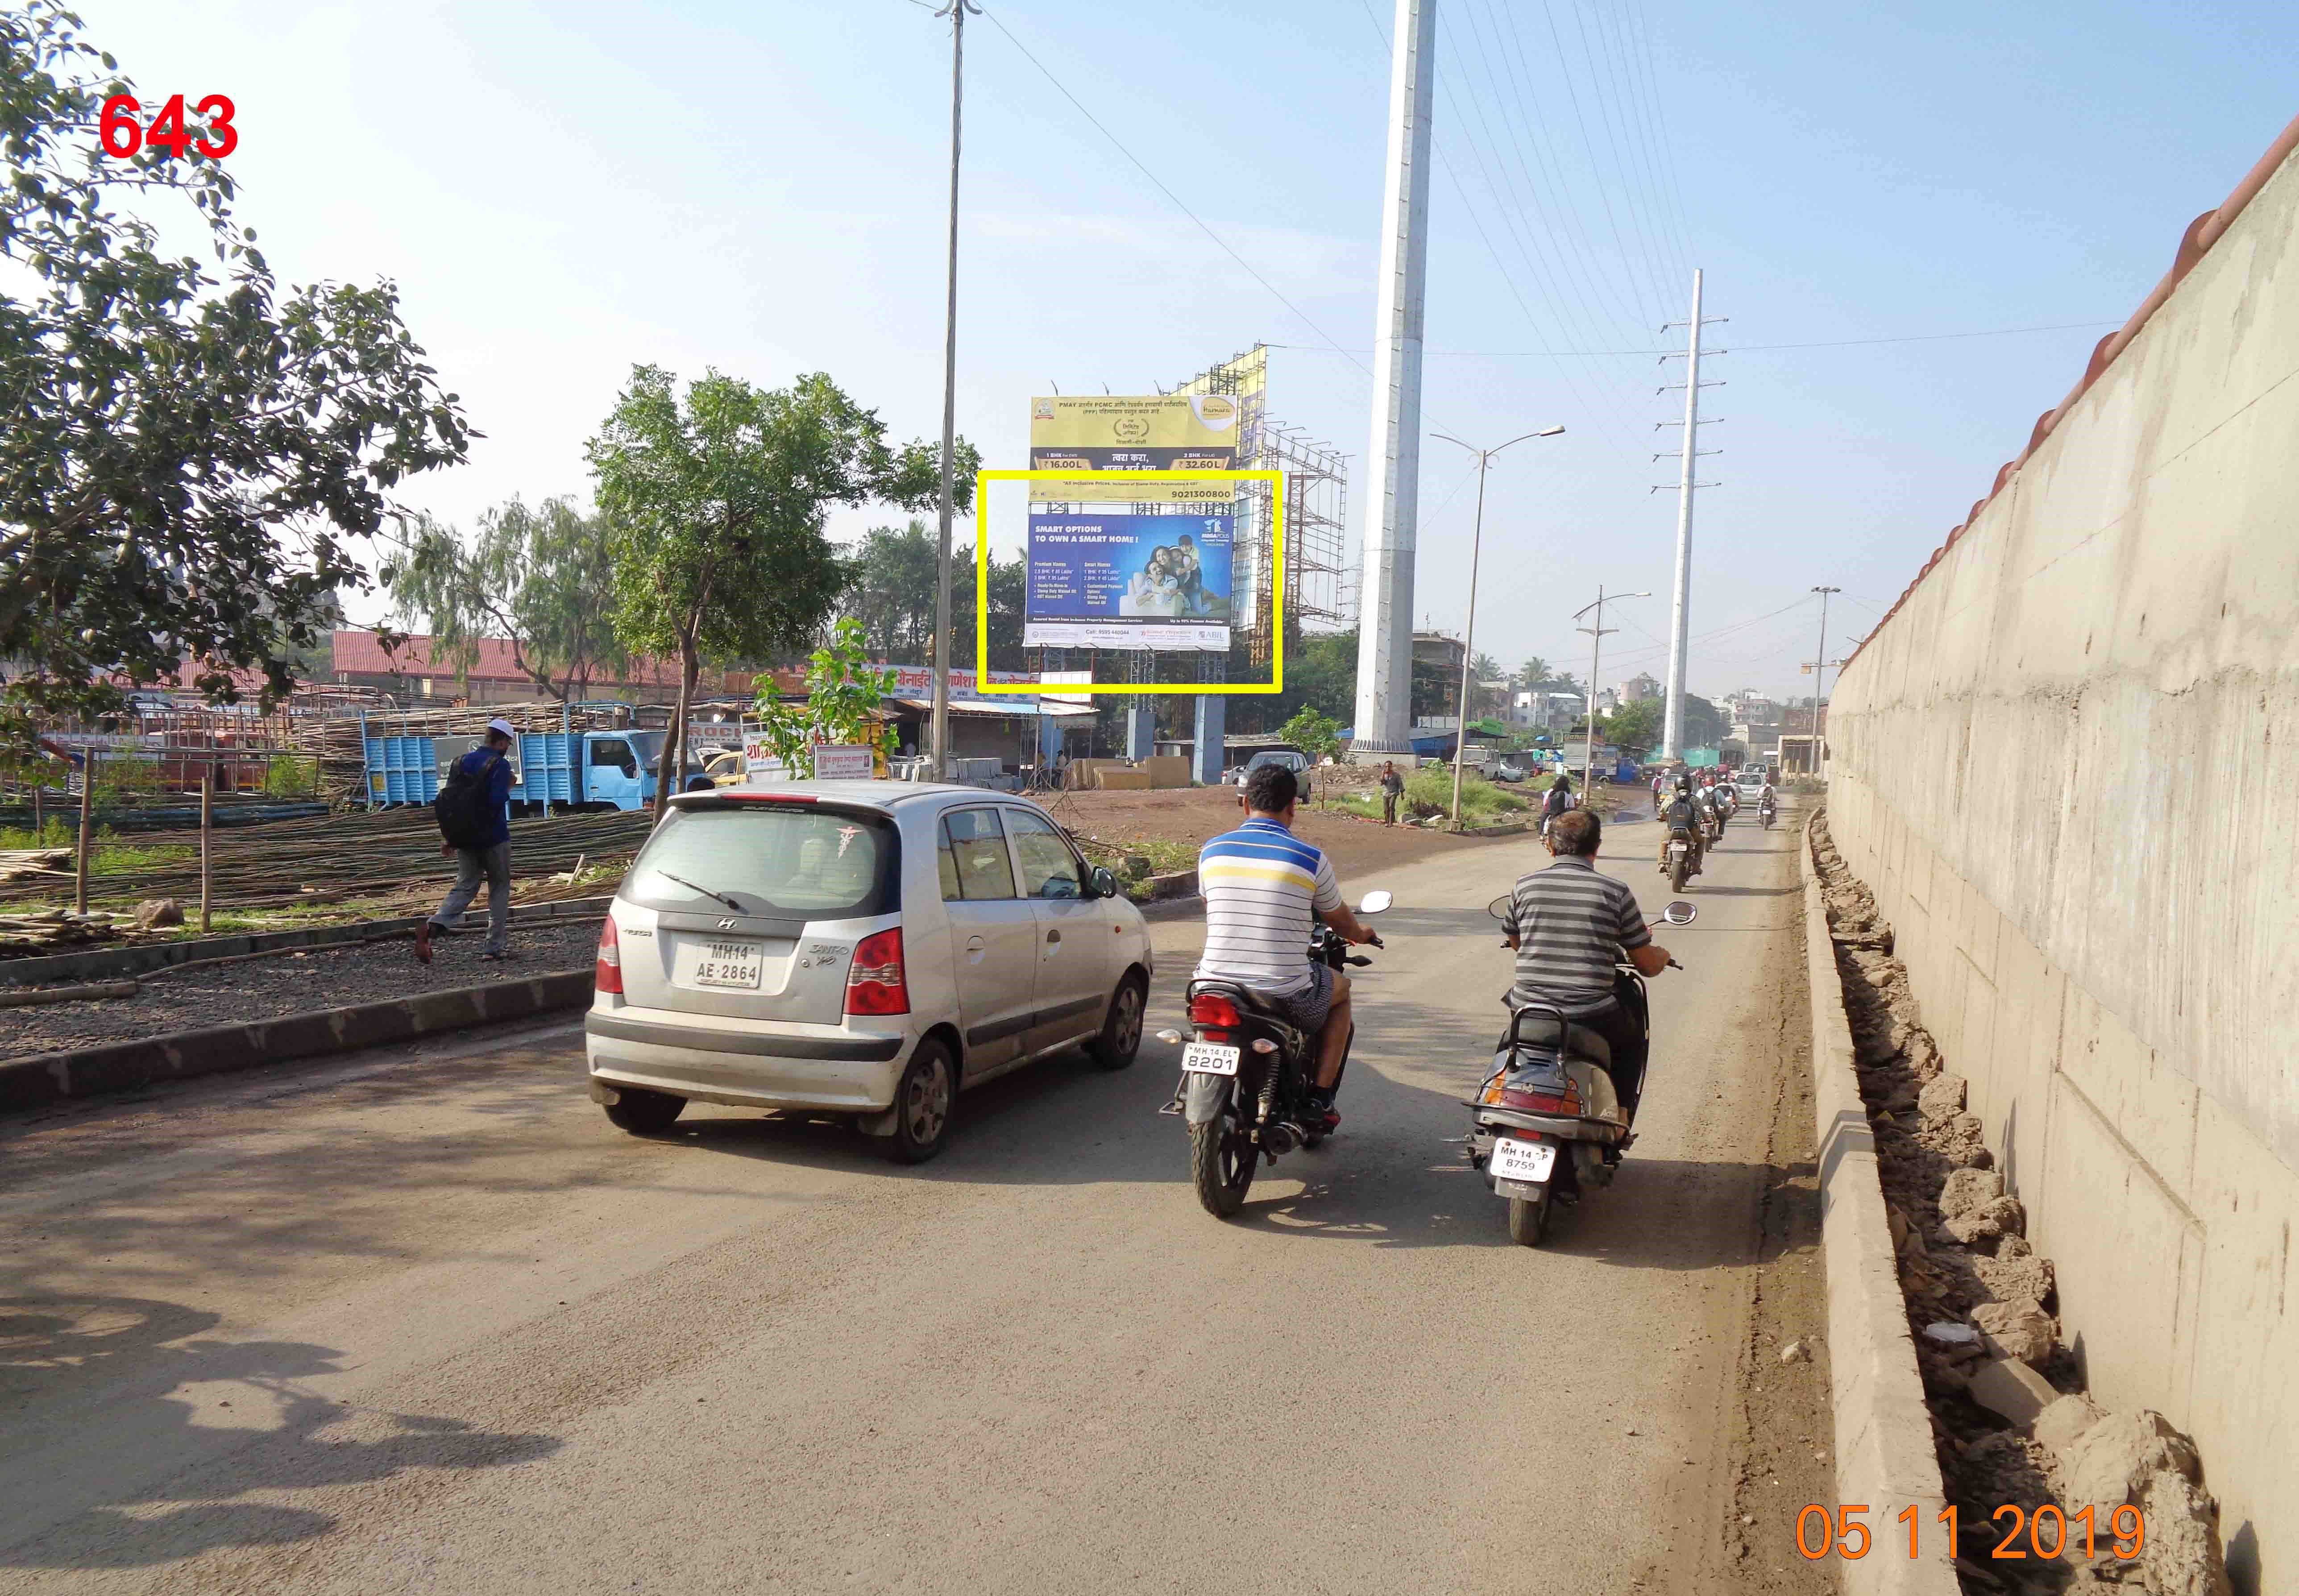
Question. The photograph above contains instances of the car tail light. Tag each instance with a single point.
(608, 974)
(875, 983)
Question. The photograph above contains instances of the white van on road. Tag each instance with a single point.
(860, 948)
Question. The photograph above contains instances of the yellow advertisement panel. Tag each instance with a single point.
(1134, 432)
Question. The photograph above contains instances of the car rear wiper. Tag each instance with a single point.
(705, 891)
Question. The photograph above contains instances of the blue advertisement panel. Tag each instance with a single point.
(1129, 580)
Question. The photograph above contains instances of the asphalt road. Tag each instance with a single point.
(430, 1324)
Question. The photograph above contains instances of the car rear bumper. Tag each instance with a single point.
(783, 1068)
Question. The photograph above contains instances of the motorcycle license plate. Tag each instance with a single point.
(1516, 1159)
(1210, 1057)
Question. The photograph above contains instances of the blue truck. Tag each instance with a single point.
(586, 769)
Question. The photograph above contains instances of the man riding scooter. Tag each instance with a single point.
(1683, 816)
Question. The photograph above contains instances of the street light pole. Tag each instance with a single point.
(1595, 630)
(1819, 673)
(956, 12)
(1469, 632)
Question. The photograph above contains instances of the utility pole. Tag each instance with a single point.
(1819, 673)
(1595, 630)
(1673, 723)
(956, 12)
(1384, 708)
(1469, 632)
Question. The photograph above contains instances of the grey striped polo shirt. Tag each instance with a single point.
(1570, 922)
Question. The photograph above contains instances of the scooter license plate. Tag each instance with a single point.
(1210, 1057)
(1518, 1160)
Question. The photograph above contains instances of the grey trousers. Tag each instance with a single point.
(493, 866)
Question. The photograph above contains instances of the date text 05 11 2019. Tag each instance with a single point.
(2045, 1533)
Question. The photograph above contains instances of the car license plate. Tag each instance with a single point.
(740, 966)
(1518, 1160)
(1210, 1057)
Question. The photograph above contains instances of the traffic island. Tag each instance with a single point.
(37, 1082)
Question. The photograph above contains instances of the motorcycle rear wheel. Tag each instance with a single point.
(1222, 1161)
(1528, 1218)
(1676, 874)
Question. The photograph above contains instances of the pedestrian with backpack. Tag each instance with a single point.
(474, 813)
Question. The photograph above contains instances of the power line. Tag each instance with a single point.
(1176, 199)
(1992, 332)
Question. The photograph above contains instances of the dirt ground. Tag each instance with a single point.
(1359, 848)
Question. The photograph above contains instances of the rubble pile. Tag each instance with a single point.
(2010, 1422)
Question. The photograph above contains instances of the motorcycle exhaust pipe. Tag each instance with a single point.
(1284, 1137)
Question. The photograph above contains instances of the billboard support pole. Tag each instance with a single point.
(955, 10)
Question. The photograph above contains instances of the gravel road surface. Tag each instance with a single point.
(189, 1000)
(422, 1320)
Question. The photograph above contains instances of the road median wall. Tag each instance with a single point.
(2063, 766)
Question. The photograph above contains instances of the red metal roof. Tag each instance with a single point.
(362, 652)
(2202, 233)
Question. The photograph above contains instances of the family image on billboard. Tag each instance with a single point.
(1165, 578)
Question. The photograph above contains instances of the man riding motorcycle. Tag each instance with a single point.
(1568, 924)
(1263, 891)
(1683, 814)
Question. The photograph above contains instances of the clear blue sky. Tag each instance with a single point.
(562, 191)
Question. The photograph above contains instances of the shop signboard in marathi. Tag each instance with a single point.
(1134, 432)
(1121, 579)
(836, 762)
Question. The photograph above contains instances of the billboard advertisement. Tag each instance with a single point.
(1125, 580)
(1155, 432)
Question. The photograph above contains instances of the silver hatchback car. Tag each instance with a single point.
(860, 948)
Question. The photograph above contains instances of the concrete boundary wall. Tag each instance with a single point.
(2064, 766)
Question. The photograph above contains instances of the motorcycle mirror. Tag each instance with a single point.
(1499, 906)
(1680, 913)
(1376, 902)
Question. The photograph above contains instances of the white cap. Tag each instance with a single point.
(500, 724)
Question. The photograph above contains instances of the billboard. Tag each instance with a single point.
(1155, 432)
(1128, 580)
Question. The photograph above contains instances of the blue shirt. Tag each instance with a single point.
(497, 829)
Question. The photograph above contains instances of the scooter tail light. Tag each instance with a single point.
(607, 975)
(876, 982)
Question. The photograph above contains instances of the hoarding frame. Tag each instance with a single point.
(1154, 485)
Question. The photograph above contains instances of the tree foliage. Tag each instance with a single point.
(720, 497)
(1313, 733)
(890, 589)
(544, 579)
(188, 450)
(843, 691)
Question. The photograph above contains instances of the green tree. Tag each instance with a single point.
(843, 691)
(890, 589)
(1313, 733)
(188, 453)
(1637, 725)
(543, 578)
(719, 498)
(1704, 723)
(1007, 581)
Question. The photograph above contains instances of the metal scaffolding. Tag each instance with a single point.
(1319, 588)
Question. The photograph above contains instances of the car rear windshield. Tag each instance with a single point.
(795, 862)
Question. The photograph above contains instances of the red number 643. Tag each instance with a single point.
(122, 135)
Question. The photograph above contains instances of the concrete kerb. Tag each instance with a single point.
(116, 1066)
(96, 963)
(1884, 1456)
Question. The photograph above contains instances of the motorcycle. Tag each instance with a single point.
(1547, 1125)
(1767, 811)
(1246, 1074)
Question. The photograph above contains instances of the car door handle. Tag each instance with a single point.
(973, 944)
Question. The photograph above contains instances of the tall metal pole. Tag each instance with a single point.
(1595, 630)
(1469, 632)
(1469, 637)
(956, 12)
(1384, 706)
(1819, 673)
(1671, 742)
(87, 829)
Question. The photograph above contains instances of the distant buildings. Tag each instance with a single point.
(1635, 689)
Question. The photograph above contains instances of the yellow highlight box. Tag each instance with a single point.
(1131, 488)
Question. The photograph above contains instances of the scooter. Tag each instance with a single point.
(1245, 1073)
(1767, 811)
(1547, 1125)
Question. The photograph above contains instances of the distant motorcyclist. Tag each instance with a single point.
(1558, 801)
(1683, 814)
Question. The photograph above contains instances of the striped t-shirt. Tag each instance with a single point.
(1260, 883)
(1570, 922)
